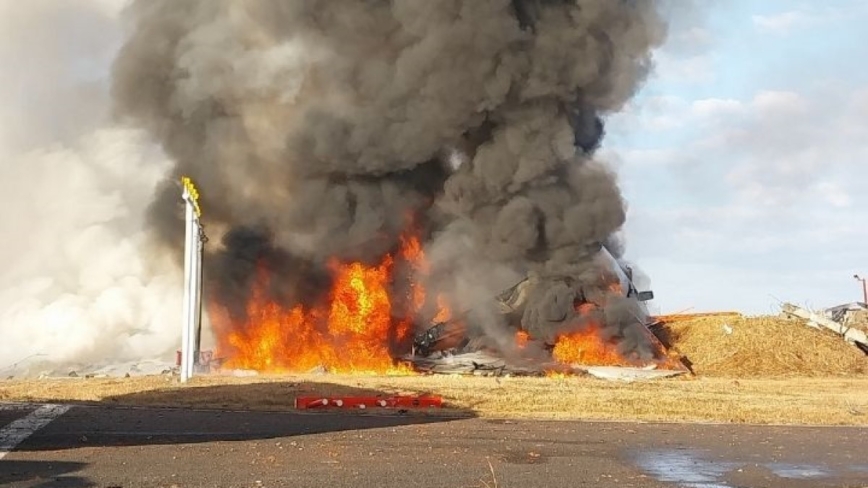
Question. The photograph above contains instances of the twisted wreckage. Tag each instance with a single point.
(458, 346)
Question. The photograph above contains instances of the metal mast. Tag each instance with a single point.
(193, 250)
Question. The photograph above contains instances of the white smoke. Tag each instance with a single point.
(78, 282)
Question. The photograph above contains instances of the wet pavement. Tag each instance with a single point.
(100, 446)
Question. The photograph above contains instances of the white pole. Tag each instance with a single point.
(189, 314)
(197, 323)
(194, 299)
(190, 358)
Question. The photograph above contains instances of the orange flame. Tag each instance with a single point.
(444, 313)
(587, 348)
(355, 331)
(521, 338)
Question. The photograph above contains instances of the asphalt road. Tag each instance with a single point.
(85, 446)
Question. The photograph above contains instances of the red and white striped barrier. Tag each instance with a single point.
(400, 401)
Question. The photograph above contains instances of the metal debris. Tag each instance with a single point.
(852, 335)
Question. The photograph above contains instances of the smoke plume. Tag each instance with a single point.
(323, 128)
(78, 282)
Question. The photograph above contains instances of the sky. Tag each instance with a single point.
(744, 157)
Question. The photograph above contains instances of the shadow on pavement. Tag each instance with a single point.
(198, 414)
(43, 474)
(258, 396)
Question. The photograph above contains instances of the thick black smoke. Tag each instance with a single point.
(326, 125)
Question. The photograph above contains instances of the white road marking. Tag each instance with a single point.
(15, 433)
(15, 407)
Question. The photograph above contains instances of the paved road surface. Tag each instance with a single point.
(113, 447)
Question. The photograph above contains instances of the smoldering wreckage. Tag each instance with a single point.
(455, 347)
(430, 155)
(400, 186)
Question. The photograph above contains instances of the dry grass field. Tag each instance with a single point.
(688, 399)
(764, 370)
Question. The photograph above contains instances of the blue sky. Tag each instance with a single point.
(744, 157)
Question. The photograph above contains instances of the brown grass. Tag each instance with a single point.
(763, 347)
(689, 399)
(769, 370)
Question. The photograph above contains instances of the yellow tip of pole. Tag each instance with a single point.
(194, 194)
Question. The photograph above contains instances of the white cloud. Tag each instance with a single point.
(683, 69)
(787, 22)
(774, 148)
(834, 194)
(647, 157)
(789, 148)
(779, 103)
(768, 197)
(652, 114)
(783, 22)
(711, 108)
(735, 199)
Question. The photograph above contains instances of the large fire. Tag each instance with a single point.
(363, 323)
(356, 330)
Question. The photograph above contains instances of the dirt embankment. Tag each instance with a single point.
(733, 345)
